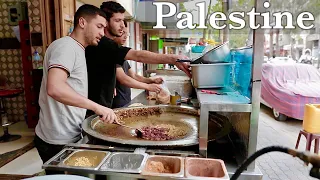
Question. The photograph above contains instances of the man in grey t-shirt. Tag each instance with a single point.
(64, 89)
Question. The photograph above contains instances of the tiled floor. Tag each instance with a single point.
(27, 164)
(275, 165)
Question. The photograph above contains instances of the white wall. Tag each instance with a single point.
(128, 5)
(78, 4)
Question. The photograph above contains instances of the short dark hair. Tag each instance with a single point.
(88, 12)
(125, 23)
(111, 7)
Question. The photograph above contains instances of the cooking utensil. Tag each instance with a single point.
(134, 131)
(217, 54)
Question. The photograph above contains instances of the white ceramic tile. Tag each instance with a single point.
(27, 164)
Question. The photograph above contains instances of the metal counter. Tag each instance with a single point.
(142, 98)
(54, 164)
(231, 101)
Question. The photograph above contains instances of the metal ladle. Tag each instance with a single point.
(134, 131)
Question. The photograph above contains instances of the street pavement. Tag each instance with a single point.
(275, 165)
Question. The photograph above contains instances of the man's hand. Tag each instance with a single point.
(182, 65)
(106, 114)
(157, 80)
(154, 88)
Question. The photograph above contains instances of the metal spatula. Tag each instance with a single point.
(134, 131)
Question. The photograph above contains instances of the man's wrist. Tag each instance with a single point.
(146, 86)
(150, 81)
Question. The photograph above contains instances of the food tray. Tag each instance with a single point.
(96, 158)
(125, 162)
(204, 168)
(156, 163)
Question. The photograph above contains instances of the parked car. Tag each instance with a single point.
(280, 60)
(286, 88)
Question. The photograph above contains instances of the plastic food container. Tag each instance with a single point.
(203, 168)
(311, 118)
(197, 49)
(125, 162)
(164, 166)
(86, 159)
(211, 75)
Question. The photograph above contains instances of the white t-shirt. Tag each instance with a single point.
(60, 123)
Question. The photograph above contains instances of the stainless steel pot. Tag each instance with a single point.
(211, 75)
(219, 54)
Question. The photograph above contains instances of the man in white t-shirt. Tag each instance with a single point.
(64, 89)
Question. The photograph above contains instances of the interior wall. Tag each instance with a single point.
(11, 64)
(35, 20)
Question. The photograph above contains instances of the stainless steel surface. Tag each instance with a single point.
(254, 120)
(59, 161)
(175, 115)
(211, 75)
(258, 43)
(254, 174)
(258, 53)
(142, 98)
(218, 54)
(53, 164)
(231, 99)
(125, 162)
(232, 102)
(168, 72)
(180, 84)
(203, 130)
(151, 151)
(96, 158)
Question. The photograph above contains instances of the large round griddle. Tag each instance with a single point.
(144, 116)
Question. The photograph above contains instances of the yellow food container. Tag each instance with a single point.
(311, 119)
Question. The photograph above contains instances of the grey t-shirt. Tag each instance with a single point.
(60, 123)
(123, 96)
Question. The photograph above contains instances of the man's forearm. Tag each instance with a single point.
(151, 58)
(132, 83)
(63, 93)
(142, 79)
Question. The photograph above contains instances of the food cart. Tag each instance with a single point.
(224, 127)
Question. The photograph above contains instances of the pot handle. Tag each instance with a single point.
(184, 60)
